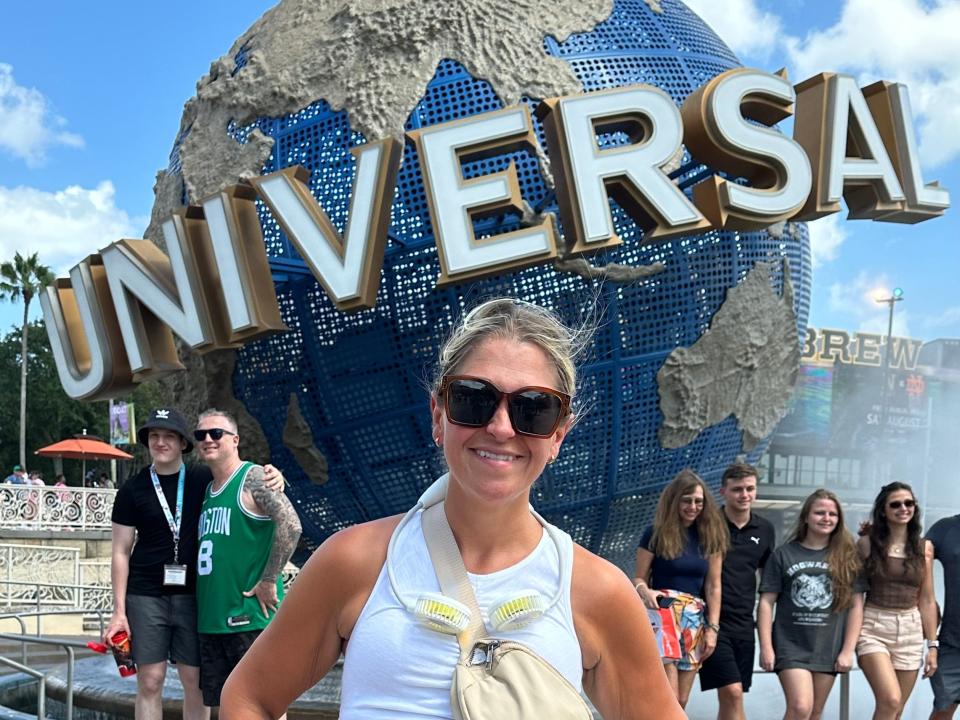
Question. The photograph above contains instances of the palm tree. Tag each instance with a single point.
(22, 279)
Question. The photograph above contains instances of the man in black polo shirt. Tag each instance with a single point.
(729, 669)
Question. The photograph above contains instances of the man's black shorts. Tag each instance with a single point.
(219, 655)
(163, 628)
(731, 662)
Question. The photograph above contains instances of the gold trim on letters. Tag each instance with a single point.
(118, 379)
(250, 253)
(816, 106)
(890, 125)
(631, 198)
(708, 145)
(499, 146)
(298, 177)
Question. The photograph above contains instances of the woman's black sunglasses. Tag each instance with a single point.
(215, 434)
(897, 504)
(472, 402)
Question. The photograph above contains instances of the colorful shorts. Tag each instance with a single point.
(679, 628)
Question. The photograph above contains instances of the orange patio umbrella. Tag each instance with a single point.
(83, 447)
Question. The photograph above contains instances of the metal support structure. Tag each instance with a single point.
(895, 297)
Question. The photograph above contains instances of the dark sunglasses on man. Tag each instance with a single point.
(214, 433)
(472, 402)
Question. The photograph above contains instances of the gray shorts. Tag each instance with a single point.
(163, 628)
(946, 681)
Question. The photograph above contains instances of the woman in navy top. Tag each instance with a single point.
(678, 577)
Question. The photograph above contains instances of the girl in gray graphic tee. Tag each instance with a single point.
(817, 586)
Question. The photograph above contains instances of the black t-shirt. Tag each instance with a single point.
(750, 546)
(136, 505)
(945, 536)
(807, 630)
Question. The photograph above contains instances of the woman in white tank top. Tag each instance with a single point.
(501, 407)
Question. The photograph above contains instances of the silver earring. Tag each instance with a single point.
(436, 441)
(552, 460)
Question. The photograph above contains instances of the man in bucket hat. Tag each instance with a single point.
(154, 578)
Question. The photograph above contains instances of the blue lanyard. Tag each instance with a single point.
(173, 522)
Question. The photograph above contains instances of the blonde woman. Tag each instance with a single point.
(678, 577)
(502, 402)
(815, 581)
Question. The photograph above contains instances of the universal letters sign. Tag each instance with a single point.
(112, 322)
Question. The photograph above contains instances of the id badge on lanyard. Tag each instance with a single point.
(175, 574)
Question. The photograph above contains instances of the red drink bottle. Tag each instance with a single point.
(121, 653)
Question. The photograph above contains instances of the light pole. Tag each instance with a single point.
(895, 297)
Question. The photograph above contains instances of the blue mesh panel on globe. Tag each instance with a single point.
(361, 377)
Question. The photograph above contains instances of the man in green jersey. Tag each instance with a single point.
(247, 535)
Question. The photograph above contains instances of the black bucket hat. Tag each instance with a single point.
(165, 419)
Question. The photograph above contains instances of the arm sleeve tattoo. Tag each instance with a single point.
(286, 523)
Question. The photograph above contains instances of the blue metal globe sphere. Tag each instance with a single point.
(360, 377)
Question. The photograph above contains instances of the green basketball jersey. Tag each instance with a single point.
(234, 547)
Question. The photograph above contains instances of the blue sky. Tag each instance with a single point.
(90, 104)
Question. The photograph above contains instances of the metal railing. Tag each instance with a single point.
(844, 689)
(44, 507)
(68, 646)
(41, 679)
(29, 593)
(39, 563)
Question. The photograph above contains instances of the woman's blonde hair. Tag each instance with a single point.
(669, 535)
(524, 322)
(842, 556)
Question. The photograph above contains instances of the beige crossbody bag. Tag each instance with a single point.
(494, 679)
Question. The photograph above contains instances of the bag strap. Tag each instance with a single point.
(451, 572)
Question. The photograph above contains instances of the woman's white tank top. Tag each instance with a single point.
(397, 668)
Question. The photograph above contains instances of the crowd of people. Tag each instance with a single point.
(826, 600)
(425, 608)
(19, 476)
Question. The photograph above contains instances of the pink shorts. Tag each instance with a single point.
(897, 633)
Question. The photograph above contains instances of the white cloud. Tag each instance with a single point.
(908, 41)
(857, 299)
(28, 126)
(826, 236)
(947, 318)
(745, 28)
(63, 226)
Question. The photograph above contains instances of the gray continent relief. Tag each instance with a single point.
(745, 364)
(298, 439)
(372, 58)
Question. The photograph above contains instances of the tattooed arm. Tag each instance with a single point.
(259, 499)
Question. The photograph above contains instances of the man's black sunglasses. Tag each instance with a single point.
(215, 434)
(472, 402)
